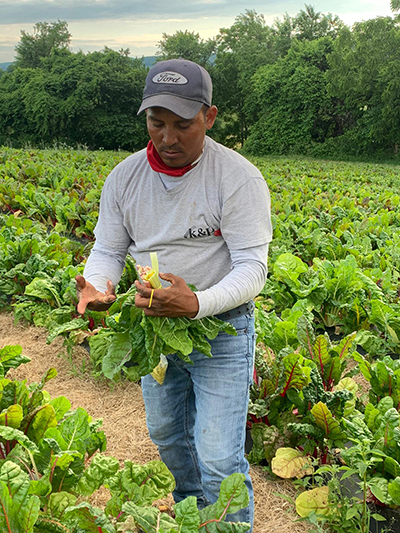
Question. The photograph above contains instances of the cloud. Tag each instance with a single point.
(32, 11)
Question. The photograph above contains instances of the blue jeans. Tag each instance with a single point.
(197, 417)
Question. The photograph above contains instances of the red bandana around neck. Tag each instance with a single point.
(158, 165)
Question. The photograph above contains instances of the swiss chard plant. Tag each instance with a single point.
(338, 293)
(383, 376)
(298, 397)
(141, 486)
(52, 459)
(377, 430)
(45, 449)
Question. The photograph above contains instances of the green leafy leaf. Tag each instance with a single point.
(119, 352)
(187, 515)
(12, 417)
(100, 470)
(44, 419)
(43, 289)
(325, 420)
(143, 483)
(59, 501)
(150, 518)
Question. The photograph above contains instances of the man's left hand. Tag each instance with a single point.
(176, 300)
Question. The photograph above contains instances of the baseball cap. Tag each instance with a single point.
(179, 85)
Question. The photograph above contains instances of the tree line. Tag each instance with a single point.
(306, 84)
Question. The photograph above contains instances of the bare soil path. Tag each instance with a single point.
(121, 408)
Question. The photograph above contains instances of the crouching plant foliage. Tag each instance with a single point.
(332, 506)
(379, 428)
(52, 459)
(336, 292)
(299, 397)
(383, 376)
(45, 449)
(137, 510)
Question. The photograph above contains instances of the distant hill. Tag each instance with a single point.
(148, 61)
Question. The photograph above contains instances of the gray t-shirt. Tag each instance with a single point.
(218, 209)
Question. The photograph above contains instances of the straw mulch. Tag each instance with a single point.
(121, 408)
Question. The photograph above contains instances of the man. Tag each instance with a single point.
(205, 210)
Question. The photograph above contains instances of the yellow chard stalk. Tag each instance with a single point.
(152, 276)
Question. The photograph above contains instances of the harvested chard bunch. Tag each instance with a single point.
(136, 344)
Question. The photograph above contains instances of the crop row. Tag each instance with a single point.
(52, 459)
(329, 310)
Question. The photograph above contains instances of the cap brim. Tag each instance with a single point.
(182, 107)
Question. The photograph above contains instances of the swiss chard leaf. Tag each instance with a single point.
(325, 420)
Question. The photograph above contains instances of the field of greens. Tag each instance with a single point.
(328, 313)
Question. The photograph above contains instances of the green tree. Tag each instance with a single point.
(364, 76)
(395, 5)
(289, 101)
(46, 37)
(13, 121)
(310, 25)
(241, 50)
(282, 35)
(87, 99)
(188, 45)
(245, 47)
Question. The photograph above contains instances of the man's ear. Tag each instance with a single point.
(211, 115)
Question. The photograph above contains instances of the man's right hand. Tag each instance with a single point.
(91, 298)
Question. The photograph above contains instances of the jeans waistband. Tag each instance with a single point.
(243, 309)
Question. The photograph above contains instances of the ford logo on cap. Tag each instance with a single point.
(172, 78)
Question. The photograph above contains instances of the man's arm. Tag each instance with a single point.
(244, 282)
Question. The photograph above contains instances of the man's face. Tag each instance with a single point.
(178, 141)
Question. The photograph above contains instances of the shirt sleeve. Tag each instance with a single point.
(244, 282)
(104, 264)
(246, 216)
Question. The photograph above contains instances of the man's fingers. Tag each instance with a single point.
(81, 307)
(80, 282)
(110, 289)
(145, 296)
(169, 277)
(142, 289)
(90, 298)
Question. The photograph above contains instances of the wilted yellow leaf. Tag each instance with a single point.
(289, 463)
(313, 500)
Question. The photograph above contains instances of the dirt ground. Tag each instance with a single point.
(121, 408)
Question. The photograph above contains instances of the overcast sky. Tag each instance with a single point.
(139, 24)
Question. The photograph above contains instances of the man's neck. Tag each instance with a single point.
(158, 165)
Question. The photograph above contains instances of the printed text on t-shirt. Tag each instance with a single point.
(195, 233)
